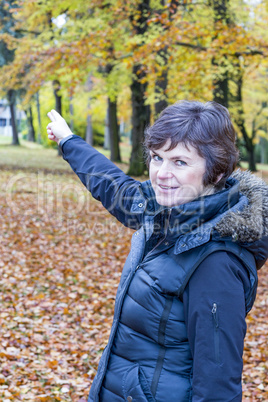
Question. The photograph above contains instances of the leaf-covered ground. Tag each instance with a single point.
(61, 257)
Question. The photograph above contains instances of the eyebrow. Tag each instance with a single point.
(174, 158)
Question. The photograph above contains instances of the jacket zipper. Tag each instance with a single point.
(163, 238)
(163, 320)
(161, 342)
(216, 332)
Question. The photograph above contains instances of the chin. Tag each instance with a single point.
(166, 202)
(169, 203)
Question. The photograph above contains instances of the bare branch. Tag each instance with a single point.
(26, 31)
(197, 47)
(250, 53)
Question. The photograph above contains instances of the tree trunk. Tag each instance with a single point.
(11, 95)
(140, 111)
(39, 140)
(251, 158)
(220, 82)
(263, 146)
(31, 131)
(161, 84)
(56, 90)
(113, 127)
(263, 141)
(58, 103)
(140, 119)
(71, 109)
(89, 131)
(106, 144)
(113, 131)
(240, 121)
(220, 87)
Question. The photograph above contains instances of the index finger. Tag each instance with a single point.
(54, 115)
(51, 116)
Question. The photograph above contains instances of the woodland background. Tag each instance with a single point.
(109, 67)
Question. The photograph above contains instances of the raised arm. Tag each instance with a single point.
(120, 194)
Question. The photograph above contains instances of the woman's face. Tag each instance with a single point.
(177, 175)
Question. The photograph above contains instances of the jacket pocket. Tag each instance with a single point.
(215, 319)
(135, 386)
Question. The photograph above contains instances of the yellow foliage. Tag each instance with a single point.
(262, 133)
(68, 40)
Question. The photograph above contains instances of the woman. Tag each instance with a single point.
(190, 277)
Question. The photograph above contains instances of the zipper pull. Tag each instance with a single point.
(214, 314)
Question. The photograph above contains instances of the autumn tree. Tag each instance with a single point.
(31, 130)
(220, 61)
(171, 50)
(7, 56)
(165, 17)
(245, 59)
(113, 126)
(29, 116)
(251, 119)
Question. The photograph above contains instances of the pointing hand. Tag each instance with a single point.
(58, 128)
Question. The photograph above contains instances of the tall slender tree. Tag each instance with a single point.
(248, 138)
(7, 57)
(112, 126)
(140, 110)
(220, 62)
(162, 81)
(31, 130)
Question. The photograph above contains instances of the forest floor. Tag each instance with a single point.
(61, 256)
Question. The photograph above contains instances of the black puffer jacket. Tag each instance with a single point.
(179, 320)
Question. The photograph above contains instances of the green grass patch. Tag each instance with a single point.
(32, 156)
(260, 166)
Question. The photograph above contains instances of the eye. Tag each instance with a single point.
(180, 163)
(156, 158)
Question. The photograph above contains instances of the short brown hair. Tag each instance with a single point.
(205, 126)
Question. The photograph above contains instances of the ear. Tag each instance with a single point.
(219, 178)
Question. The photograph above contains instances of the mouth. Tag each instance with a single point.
(167, 188)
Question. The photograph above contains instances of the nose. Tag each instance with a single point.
(164, 171)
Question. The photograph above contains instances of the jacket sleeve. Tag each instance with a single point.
(214, 306)
(120, 194)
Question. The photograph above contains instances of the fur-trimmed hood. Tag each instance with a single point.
(238, 213)
(249, 226)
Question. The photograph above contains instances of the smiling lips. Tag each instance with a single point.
(162, 187)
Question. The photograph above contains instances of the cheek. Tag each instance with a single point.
(199, 181)
(192, 178)
(152, 174)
